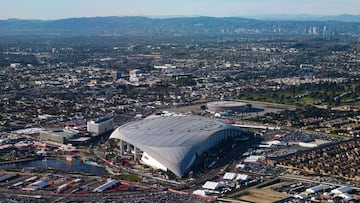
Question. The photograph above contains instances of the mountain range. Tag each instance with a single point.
(304, 17)
(181, 26)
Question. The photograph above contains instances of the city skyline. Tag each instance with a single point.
(59, 9)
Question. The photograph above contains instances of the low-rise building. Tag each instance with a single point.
(317, 188)
(57, 135)
(100, 125)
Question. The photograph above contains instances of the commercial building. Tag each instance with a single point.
(301, 196)
(40, 184)
(172, 143)
(100, 125)
(15, 65)
(165, 67)
(116, 75)
(58, 135)
(345, 196)
(107, 185)
(169, 70)
(254, 159)
(135, 75)
(343, 189)
(7, 177)
(317, 188)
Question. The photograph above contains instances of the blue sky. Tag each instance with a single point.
(57, 9)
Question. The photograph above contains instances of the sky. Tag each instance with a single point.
(59, 9)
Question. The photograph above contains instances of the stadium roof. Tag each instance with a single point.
(227, 103)
(174, 131)
(174, 140)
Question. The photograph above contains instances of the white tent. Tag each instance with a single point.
(242, 177)
(210, 185)
(201, 192)
(229, 176)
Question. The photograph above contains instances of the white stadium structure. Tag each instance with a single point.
(172, 142)
(221, 106)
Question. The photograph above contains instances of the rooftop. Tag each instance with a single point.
(60, 132)
(227, 103)
(102, 119)
(171, 131)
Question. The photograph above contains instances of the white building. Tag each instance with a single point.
(343, 189)
(242, 177)
(345, 196)
(229, 176)
(201, 192)
(15, 65)
(254, 159)
(240, 166)
(135, 75)
(168, 69)
(101, 125)
(316, 189)
(301, 196)
(210, 185)
(313, 144)
(165, 67)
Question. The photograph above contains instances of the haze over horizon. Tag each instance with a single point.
(60, 9)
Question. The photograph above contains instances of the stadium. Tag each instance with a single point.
(220, 106)
(172, 143)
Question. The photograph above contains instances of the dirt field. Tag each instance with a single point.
(263, 196)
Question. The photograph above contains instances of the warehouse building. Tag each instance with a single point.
(58, 135)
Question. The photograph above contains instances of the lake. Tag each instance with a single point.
(75, 165)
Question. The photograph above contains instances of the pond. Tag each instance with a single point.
(75, 165)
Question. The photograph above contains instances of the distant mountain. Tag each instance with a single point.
(181, 26)
(341, 18)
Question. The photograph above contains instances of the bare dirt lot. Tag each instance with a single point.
(264, 196)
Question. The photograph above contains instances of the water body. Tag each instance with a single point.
(75, 165)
